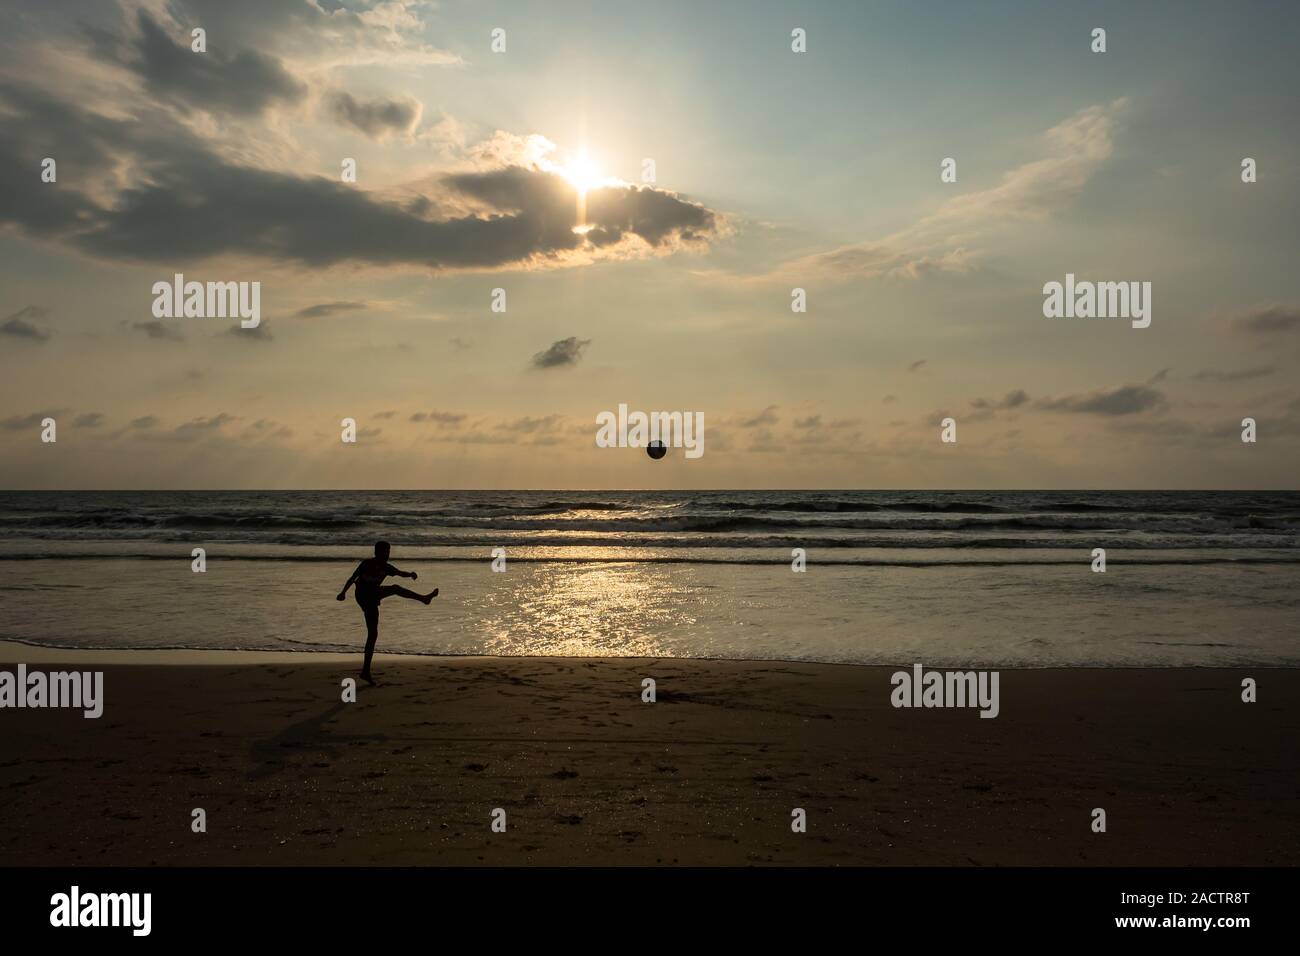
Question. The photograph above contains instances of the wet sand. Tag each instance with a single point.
(589, 774)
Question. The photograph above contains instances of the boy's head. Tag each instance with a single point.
(382, 549)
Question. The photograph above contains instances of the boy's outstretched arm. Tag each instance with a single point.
(344, 593)
(402, 574)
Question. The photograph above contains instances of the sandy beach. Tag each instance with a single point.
(589, 774)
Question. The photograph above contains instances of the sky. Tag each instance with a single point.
(524, 169)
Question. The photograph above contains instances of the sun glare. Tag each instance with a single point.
(581, 172)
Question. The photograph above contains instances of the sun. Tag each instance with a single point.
(582, 172)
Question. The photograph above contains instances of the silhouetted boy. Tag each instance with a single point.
(369, 577)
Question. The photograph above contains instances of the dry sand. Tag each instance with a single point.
(588, 774)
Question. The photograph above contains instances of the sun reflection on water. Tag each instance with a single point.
(578, 610)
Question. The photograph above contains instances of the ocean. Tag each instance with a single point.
(988, 578)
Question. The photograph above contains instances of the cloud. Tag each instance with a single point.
(1234, 375)
(767, 416)
(1125, 400)
(1013, 399)
(875, 259)
(940, 242)
(241, 82)
(315, 34)
(378, 118)
(258, 333)
(146, 177)
(18, 326)
(157, 329)
(440, 418)
(528, 425)
(564, 352)
(144, 422)
(916, 366)
(476, 438)
(89, 420)
(509, 217)
(19, 422)
(198, 427)
(328, 308)
(1267, 321)
(266, 429)
(812, 421)
(825, 439)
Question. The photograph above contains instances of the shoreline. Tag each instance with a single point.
(20, 652)
(410, 774)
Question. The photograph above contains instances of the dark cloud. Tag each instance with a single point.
(524, 216)
(377, 118)
(265, 428)
(916, 366)
(18, 326)
(19, 422)
(1126, 400)
(242, 82)
(157, 329)
(530, 425)
(1012, 400)
(1269, 320)
(384, 415)
(440, 418)
(198, 427)
(144, 421)
(814, 434)
(323, 33)
(767, 416)
(89, 420)
(258, 333)
(1234, 375)
(37, 125)
(653, 215)
(328, 308)
(85, 144)
(564, 352)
